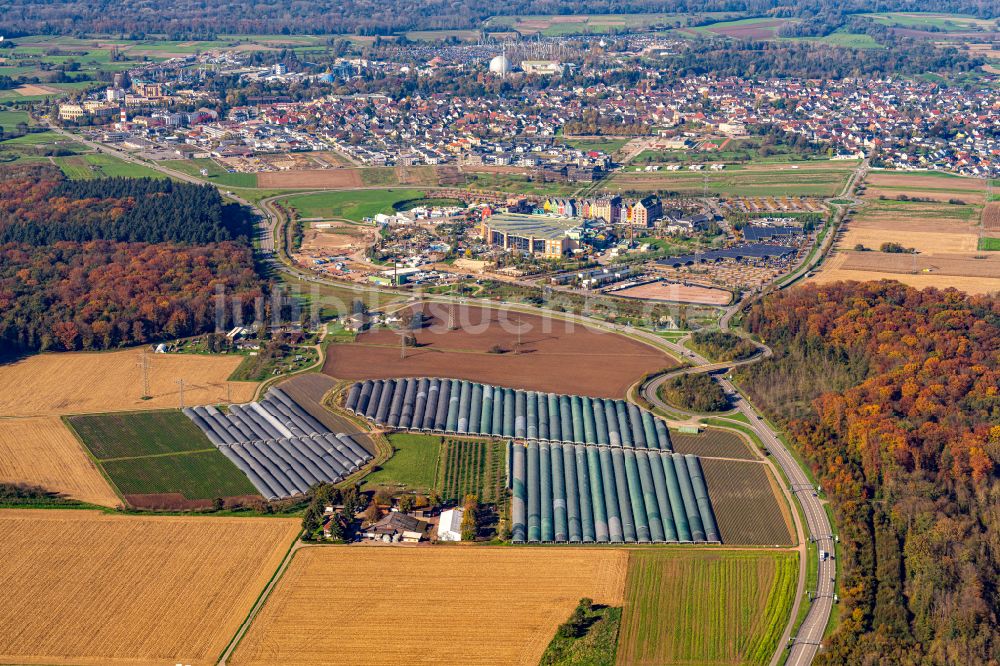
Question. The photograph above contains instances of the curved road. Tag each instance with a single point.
(805, 645)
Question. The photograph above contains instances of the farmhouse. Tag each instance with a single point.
(397, 527)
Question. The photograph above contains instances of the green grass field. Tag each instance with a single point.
(86, 167)
(413, 465)
(989, 244)
(474, 467)
(607, 146)
(825, 180)
(942, 22)
(704, 607)
(159, 452)
(351, 204)
(596, 647)
(214, 172)
(10, 119)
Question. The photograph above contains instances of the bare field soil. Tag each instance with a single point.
(334, 179)
(82, 587)
(939, 188)
(454, 605)
(756, 30)
(748, 504)
(678, 293)
(713, 443)
(553, 355)
(991, 216)
(79, 383)
(41, 451)
(835, 270)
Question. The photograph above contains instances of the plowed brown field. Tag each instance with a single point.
(553, 355)
(455, 605)
(41, 451)
(82, 587)
(77, 383)
(310, 178)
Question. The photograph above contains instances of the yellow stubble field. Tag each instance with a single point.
(83, 587)
(40, 451)
(459, 605)
(75, 383)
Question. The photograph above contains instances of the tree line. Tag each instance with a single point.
(39, 207)
(890, 394)
(206, 19)
(115, 262)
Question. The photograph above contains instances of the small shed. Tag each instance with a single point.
(450, 525)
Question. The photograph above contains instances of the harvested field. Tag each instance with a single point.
(459, 604)
(991, 216)
(677, 293)
(834, 270)
(713, 443)
(83, 587)
(553, 355)
(40, 451)
(310, 179)
(721, 607)
(935, 187)
(748, 504)
(32, 89)
(942, 264)
(78, 383)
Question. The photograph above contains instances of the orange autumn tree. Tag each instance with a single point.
(891, 395)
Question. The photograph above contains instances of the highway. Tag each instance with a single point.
(809, 636)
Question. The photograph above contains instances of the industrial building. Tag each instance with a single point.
(281, 448)
(543, 235)
(457, 406)
(571, 493)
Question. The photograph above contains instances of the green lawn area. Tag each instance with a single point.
(85, 167)
(921, 21)
(604, 145)
(351, 204)
(10, 119)
(706, 607)
(807, 179)
(214, 172)
(413, 465)
(159, 452)
(989, 244)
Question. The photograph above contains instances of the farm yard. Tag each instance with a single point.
(160, 459)
(40, 451)
(767, 180)
(81, 382)
(460, 604)
(748, 503)
(718, 607)
(85, 587)
(553, 354)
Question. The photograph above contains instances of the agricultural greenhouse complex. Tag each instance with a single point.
(577, 493)
(463, 407)
(592, 471)
(281, 448)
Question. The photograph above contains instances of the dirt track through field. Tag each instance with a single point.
(553, 355)
(41, 451)
(446, 605)
(77, 383)
(82, 587)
